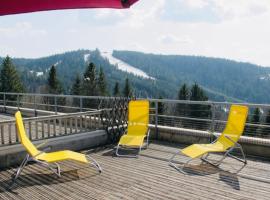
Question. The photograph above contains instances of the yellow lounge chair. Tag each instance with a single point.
(225, 143)
(46, 159)
(137, 131)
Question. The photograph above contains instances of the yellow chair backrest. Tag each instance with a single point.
(138, 117)
(235, 125)
(28, 145)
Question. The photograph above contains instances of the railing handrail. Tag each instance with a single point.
(150, 99)
(52, 117)
(59, 95)
(51, 126)
(213, 110)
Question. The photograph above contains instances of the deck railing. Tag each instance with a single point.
(51, 126)
(198, 115)
(208, 116)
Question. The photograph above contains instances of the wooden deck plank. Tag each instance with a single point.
(147, 177)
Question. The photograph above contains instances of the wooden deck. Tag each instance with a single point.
(147, 177)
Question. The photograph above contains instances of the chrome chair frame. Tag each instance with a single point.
(140, 147)
(56, 171)
(216, 164)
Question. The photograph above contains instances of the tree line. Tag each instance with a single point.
(196, 93)
(224, 79)
(256, 119)
(92, 83)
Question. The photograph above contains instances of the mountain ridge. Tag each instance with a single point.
(231, 78)
(222, 79)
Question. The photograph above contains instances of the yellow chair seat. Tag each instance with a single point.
(197, 150)
(45, 158)
(131, 140)
(231, 134)
(225, 143)
(137, 130)
(62, 155)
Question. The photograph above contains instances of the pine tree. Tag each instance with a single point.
(267, 119)
(197, 110)
(90, 80)
(161, 109)
(90, 86)
(127, 92)
(77, 86)
(247, 127)
(256, 116)
(10, 80)
(102, 84)
(183, 94)
(76, 90)
(254, 120)
(160, 106)
(116, 90)
(266, 130)
(54, 85)
(197, 94)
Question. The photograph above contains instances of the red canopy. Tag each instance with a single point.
(23, 6)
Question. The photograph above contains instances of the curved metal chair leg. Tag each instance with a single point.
(147, 138)
(117, 148)
(128, 156)
(228, 153)
(243, 160)
(180, 169)
(45, 164)
(19, 171)
(215, 163)
(20, 168)
(94, 163)
(58, 169)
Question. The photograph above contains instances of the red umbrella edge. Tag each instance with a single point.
(8, 7)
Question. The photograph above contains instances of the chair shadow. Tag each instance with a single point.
(230, 179)
(123, 151)
(202, 169)
(110, 152)
(99, 149)
(28, 180)
(205, 169)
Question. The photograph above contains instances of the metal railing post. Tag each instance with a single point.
(55, 105)
(35, 106)
(5, 108)
(18, 101)
(213, 116)
(81, 104)
(156, 119)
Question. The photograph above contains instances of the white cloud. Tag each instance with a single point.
(197, 3)
(231, 9)
(172, 39)
(105, 14)
(241, 33)
(21, 29)
(145, 12)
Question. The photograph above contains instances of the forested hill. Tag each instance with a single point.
(243, 81)
(223, 80)
(34, 72)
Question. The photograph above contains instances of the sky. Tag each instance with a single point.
(232, 29)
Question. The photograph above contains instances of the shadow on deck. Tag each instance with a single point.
(146, 177)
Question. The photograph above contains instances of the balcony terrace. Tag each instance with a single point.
(94, 131)
(148, 177)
